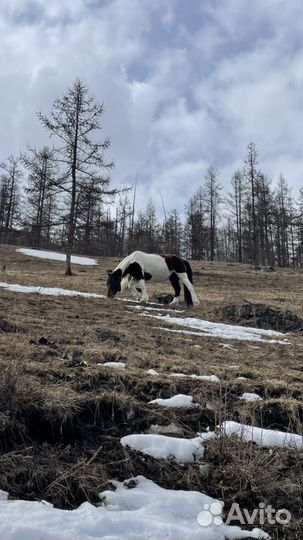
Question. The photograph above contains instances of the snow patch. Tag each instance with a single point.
(178, 401)
(228, 346)
(223, 331)
(164, 430)
(146, 511)
(145, 308)
(47, 291)
(250, 396)
(152, 372)
(54, 256)
(211, 378)
(264, 437)
(115, 365)
(164, 447)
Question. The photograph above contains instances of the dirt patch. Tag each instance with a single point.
(44, 342)
(281, 414)
(262, 316)
(165, 299)
(106, 335)
(5, 326)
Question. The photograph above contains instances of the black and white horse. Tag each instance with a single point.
(139, 267)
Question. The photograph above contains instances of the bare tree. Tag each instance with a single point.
(74, 121)
(40, 191)
(251, 174)
(235, 201)
(147, 231)
(195, 231)
(299, 227)
(172, 233)
(10, 195)
(264, 204)
(212, 200)
(4, 195)
(283, 218)
(124, 214)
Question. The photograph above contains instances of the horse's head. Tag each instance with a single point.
(114, 282)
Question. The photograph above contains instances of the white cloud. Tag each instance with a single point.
(179, 92)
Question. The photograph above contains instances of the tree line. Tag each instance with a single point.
(59, 197)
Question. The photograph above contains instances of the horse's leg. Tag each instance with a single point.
(125, 283)
(183, 277)
(142, 286)
(175, 281)
(132, 288)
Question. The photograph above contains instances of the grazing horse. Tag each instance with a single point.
(139, 267)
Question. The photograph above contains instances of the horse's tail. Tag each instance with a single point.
(187, 295)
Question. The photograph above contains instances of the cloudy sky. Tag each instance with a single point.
(185, 84)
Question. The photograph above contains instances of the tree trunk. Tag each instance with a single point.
(68, 269)
(72, 220)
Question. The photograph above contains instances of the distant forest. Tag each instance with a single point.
(60, 198)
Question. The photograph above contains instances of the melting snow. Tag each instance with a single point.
(152, 372)
(188, 450)
(48, 291)
(165, 429)
(178, 401)
(228, 346)
(211, 378)
(52, 255)
(116, 365)
(146, 511)
(223, 331)
(164, 447)
(249, 396)
(145, 308)
(264, 437)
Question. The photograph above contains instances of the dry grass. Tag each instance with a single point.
(62, 414)
(250, 474)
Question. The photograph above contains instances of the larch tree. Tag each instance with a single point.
(152, 228)
(88, 204)
(172, 233)
(75, 121)
(9, 195)
(299, 228)
(264, 205)
(251, 174)
(283, 207)
(235, 201)
(147, 231)
(212, 201)
(40, 192)
(3, 203)
(194, 236)
(123, 218)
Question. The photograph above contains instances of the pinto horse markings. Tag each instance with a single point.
(135, 270)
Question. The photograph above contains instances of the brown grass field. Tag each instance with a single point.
(62, 414)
